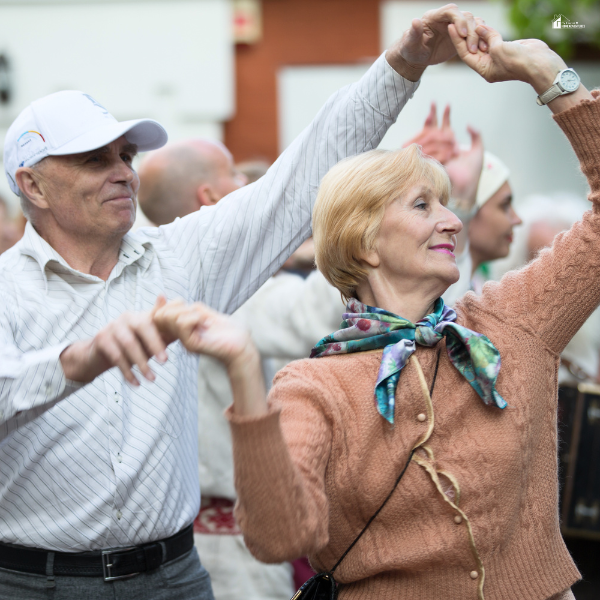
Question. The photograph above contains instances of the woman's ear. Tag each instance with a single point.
(371, 258)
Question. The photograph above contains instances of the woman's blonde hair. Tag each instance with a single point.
(351, 203)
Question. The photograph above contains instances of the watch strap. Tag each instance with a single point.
(552, 92)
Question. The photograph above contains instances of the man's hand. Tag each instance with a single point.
(427, 41)
(132, 339)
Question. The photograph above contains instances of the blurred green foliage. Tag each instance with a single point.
(533, 19)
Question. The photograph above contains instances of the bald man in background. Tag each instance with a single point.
(184, 176)
(286, 317)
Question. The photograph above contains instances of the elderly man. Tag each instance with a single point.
(99, 475)
(286, 317)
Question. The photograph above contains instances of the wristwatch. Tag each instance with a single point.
(566, 82)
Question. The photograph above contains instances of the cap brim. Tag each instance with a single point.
(146, 134)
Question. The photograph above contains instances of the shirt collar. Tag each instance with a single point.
(33, 245)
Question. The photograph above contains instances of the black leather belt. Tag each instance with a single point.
(108, 564)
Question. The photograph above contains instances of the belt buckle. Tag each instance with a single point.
(106, 566)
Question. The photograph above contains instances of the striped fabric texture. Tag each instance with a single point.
(108, 465)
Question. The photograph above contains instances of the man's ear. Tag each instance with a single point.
(205, 195)
(29, 182)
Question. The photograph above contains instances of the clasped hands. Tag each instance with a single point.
(136, 337)
(445, 32)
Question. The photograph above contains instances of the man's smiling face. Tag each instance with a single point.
(93, 193)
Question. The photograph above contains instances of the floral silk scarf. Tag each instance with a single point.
(369, 328)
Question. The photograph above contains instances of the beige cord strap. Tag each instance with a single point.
(428, 403)
(428, 464)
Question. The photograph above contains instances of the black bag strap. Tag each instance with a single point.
(337, 564)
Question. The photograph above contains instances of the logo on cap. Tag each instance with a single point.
(30, 131)
(96, 103)
(30, 144)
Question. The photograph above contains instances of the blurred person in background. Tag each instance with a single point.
(481, 198)
(10, 231)
(286, 316)
(491, 229)
(253, 170)
(476, 515)
(185, 176)
(544, 218)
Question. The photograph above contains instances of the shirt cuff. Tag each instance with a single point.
(42, 379)
(385, 89)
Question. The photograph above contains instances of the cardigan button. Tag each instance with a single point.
(474, 574)
(421, 417)
(458, 519)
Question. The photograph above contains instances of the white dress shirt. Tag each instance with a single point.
(106, 464)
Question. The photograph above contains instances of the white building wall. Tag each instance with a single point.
(171, 60)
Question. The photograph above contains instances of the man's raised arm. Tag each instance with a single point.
(232, 248)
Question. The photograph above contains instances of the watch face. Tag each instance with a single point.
(569, 81)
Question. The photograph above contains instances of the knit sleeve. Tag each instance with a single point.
(555, 294)
(279, 464)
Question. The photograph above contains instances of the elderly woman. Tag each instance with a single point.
(409, 384)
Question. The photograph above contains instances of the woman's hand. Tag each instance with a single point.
(427, 41)
(530, 61)
(205, 331)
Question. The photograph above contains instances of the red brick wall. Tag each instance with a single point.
(295, 32)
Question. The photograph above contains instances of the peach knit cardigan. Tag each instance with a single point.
(476, 514)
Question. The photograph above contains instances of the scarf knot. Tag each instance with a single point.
(370, 328)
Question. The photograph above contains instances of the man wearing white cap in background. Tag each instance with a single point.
(99, 481)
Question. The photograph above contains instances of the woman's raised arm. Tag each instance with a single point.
(555, 294)
(280, 454)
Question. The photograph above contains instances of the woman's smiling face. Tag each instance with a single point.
(416, 240)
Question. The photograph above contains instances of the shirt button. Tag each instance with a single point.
(117, 397)
(421, 417)
(458, 519)
(119, 458)
(120, 514)
(48, 388)
(474, 574)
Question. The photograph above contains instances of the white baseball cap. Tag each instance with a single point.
(494, 174)
(70, 122)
